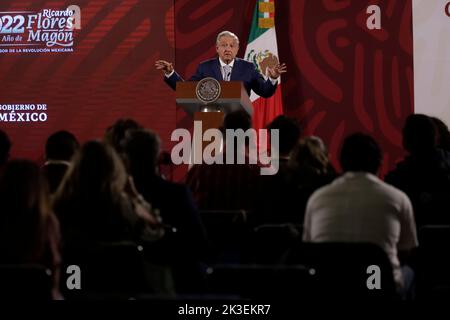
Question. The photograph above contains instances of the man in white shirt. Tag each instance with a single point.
(359, 207)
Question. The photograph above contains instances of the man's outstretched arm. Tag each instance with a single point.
(170, 76)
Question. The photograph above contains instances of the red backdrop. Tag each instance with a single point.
(341, 77)
(109, 75)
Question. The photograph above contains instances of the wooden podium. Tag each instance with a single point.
(233, 97)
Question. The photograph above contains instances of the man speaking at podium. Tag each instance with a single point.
(228, 68)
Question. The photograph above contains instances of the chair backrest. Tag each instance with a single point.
(107, 268)
(25, 281)
(162, 251)
(269, 243)
(218, 218)
(342, 268)
(283, 230)
(260, 281)
(227, 230)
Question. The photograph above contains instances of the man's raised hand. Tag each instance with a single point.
(277, 70)
(165, 66)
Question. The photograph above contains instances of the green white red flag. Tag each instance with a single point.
(262, 50)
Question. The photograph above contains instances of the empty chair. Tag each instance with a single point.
(260, 281)
(25, 282)
(342, 269)
(433, 265)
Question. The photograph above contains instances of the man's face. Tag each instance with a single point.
(227, 48)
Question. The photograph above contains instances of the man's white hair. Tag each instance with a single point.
(227, 34)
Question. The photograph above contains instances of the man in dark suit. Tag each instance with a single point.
(228, 68)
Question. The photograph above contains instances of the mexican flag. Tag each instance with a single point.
(262, 50)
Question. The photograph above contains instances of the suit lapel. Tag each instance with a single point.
(235, 71)
(216, 70)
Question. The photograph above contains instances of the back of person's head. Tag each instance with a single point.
(25, 205)
(61, 145)
(311, 154)
(289, 131)
(91, 202)
(116, 133)
(97, 170)
(5, 147)
(443, 140)
(419, 134)
(237, 120)
(142, 149)
(360, 152)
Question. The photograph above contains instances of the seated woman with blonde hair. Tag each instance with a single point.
(97, 201)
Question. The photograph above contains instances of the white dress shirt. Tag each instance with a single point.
(359, 207)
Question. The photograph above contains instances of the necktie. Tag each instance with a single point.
(226, 72)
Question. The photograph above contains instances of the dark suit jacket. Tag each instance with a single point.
(242, 71)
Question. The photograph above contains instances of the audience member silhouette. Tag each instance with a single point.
(286, 193)
(94, 203)
(310, 169)
(187, 247)
(424, 174)
(227, 186)
(359, 207)
(59, 151)
(142, 148)
(115, 134)
(289, 132)
(289, 136)
(29, 231)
